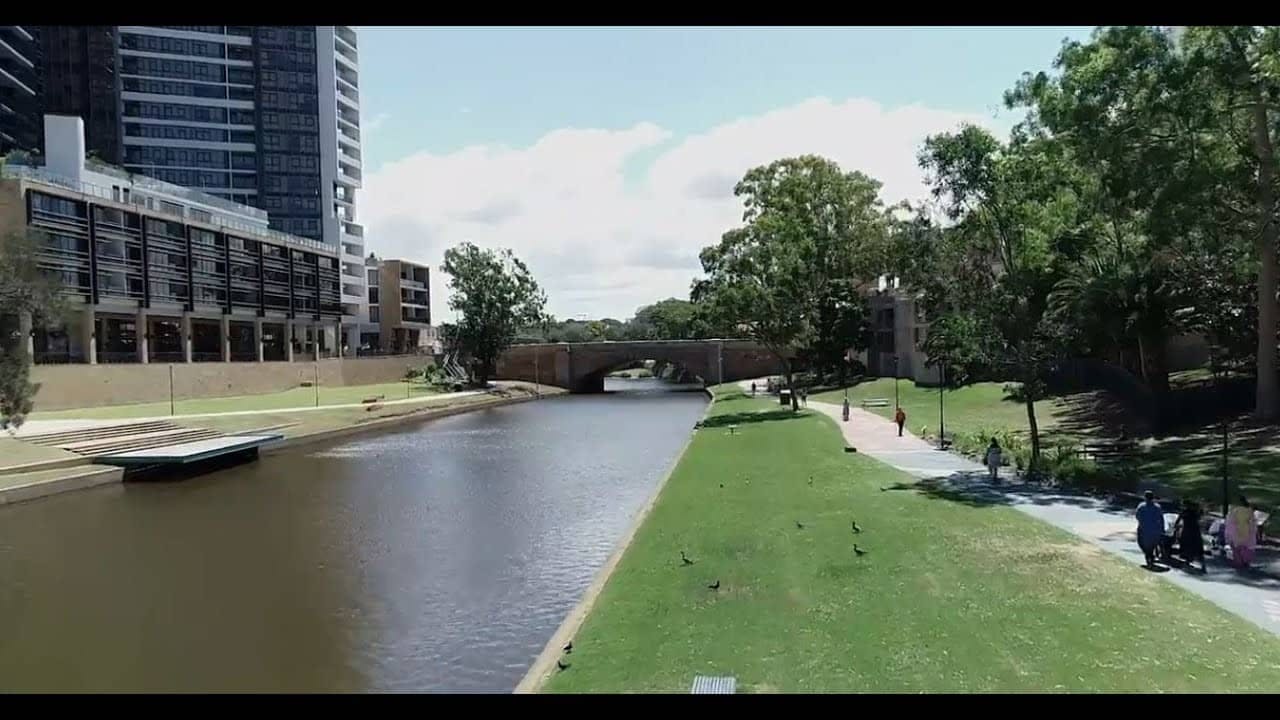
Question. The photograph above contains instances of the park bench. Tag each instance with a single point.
(1108, 452)
(875, 402)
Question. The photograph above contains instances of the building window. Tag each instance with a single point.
(375, 315)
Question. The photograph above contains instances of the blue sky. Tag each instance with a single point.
(461, 110)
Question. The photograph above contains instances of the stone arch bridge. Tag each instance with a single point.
(581, 367)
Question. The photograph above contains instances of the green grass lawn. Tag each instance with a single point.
(967, 409)
(15, 452)
(292, 398)
(949, 597)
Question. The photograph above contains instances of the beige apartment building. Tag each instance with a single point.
(399, 308)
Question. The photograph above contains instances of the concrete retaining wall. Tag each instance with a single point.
(77, 386)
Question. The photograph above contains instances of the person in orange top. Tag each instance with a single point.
(900, 418)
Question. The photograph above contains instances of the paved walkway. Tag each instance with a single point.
(1254, 596)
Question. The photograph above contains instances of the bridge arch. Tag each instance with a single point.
(581, 367)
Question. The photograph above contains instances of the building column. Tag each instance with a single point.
(141, 327)
(89, 330)
(186, 337)
(257, 336)
(316, 329)
(288, 340)
(24, 327)
(338, 338)
(226, 338)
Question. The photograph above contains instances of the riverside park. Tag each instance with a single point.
(621, 360)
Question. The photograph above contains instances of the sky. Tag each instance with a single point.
(605, 158)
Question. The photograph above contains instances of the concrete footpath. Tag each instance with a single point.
(1253, 595)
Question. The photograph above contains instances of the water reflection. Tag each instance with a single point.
(439, 557)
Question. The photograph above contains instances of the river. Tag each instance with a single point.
(441, 556)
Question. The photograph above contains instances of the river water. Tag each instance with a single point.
(438, 557)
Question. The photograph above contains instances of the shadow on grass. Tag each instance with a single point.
(746, 418)
(974, 489)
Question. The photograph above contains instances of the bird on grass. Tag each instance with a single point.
(684, 559)
(568, 648)
(714, 586)
(799, 525)
(854, 525)
(563, 665)
(858, 551)
(810, 479)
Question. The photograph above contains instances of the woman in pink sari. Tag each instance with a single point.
(1241, 533)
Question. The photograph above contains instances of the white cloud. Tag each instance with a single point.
(376, 122)
(601, 245)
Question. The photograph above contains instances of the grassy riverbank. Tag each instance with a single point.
(949, 597)
(299, 397)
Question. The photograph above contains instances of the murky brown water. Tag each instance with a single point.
(440, 557)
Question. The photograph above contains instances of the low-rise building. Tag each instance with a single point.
(898, 330)
(399, 308)
(156, 272)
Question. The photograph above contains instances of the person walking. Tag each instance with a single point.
(1190, 541)
(845, 409)
(753, 389)
(804, 397)
(1241, 533)
(900, 417)
(993, 459)
(1150, 526)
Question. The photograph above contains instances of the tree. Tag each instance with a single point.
(1013, 205)
(812, 234)
(25, 291)
(496, 296)
(1236, 71)
(670, 319)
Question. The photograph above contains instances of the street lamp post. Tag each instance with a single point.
(537, 375)
(1219, 380)
(896, 402)
(942, 386)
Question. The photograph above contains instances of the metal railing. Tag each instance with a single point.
(16, 171)
(57, 358)
(108, 357)
(167, 357)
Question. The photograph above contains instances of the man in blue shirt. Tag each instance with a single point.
(1150, 526)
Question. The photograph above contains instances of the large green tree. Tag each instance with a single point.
(1014, 207)
(812, 234)
(25, 292)
(496, 296)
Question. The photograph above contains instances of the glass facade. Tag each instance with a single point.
(101, 252)
(288, 102)
(20, 88)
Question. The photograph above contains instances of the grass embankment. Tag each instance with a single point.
(15, 453)
(1189, 464)
(298, 423)
(949, 596)
(968, 409)
(292, 398)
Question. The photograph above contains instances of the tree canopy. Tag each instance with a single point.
(496, 295)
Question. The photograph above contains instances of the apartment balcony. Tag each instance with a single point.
(406, 282)
(349, 80)
(8, 80)
(349, 134)
(349, 154)
(348, 94)
(345, 34)
(7, 52)
(355, 231)
(415, 315)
